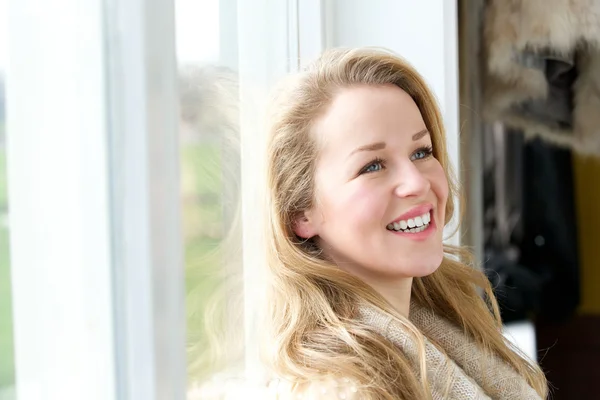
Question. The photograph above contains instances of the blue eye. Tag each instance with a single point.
(374, 166)
(422, 153)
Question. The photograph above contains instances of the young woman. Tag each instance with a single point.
(365, 299)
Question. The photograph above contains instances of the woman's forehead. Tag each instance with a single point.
(362, 115)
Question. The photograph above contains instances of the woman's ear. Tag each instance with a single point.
(304, 225)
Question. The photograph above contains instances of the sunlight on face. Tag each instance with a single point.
(380, 193)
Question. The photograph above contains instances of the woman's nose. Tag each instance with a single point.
(411, 182)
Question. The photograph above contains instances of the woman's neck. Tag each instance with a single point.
(396, 292)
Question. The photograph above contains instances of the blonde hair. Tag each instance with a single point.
(312, 303)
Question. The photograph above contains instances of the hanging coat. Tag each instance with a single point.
(542, 69)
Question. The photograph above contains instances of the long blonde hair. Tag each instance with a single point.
(312, 303)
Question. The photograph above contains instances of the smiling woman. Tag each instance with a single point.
(362, 189)
(365, 299)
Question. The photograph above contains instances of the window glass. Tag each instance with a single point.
(210, 189)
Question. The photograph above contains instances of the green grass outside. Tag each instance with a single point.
(7, 374)
(203, 223)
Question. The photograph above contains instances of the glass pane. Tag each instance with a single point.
(210, 167)
(7, 371)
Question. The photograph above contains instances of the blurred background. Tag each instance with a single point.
(519, 89)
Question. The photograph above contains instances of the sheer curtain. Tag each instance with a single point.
(224, 85)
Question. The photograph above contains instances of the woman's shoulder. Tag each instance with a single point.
(275, 389)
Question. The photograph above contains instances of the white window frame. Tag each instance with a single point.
(145, 178)
(93, 170)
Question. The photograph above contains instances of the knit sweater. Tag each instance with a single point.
(456, 373)
(462, 362)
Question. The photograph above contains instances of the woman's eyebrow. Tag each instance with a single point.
(420, 134)
(369, 147)
(381, 145)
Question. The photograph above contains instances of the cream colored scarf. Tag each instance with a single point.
(463, 372)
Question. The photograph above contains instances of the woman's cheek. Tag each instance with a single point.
(439, 185)
(366, 202)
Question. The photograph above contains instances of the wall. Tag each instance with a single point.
(587, 173)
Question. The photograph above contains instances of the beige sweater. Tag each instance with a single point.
(461, 362)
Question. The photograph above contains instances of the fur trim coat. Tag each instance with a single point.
(542, 69)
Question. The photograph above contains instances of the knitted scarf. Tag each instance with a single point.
(461, 371)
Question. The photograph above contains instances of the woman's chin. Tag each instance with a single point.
(426, 265)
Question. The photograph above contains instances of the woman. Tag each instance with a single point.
(365, 299)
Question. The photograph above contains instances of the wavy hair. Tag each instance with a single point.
(312, 304)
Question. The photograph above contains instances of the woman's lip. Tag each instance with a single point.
(415, 212)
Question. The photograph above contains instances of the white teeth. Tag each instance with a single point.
(412, 225)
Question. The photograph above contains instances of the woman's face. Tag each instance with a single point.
(380, 194)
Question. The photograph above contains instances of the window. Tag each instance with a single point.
(136, 184)
(97, 155)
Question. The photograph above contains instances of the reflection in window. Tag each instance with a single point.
(210, 193)
(210, 167)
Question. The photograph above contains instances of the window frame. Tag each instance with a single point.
(93, 170)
